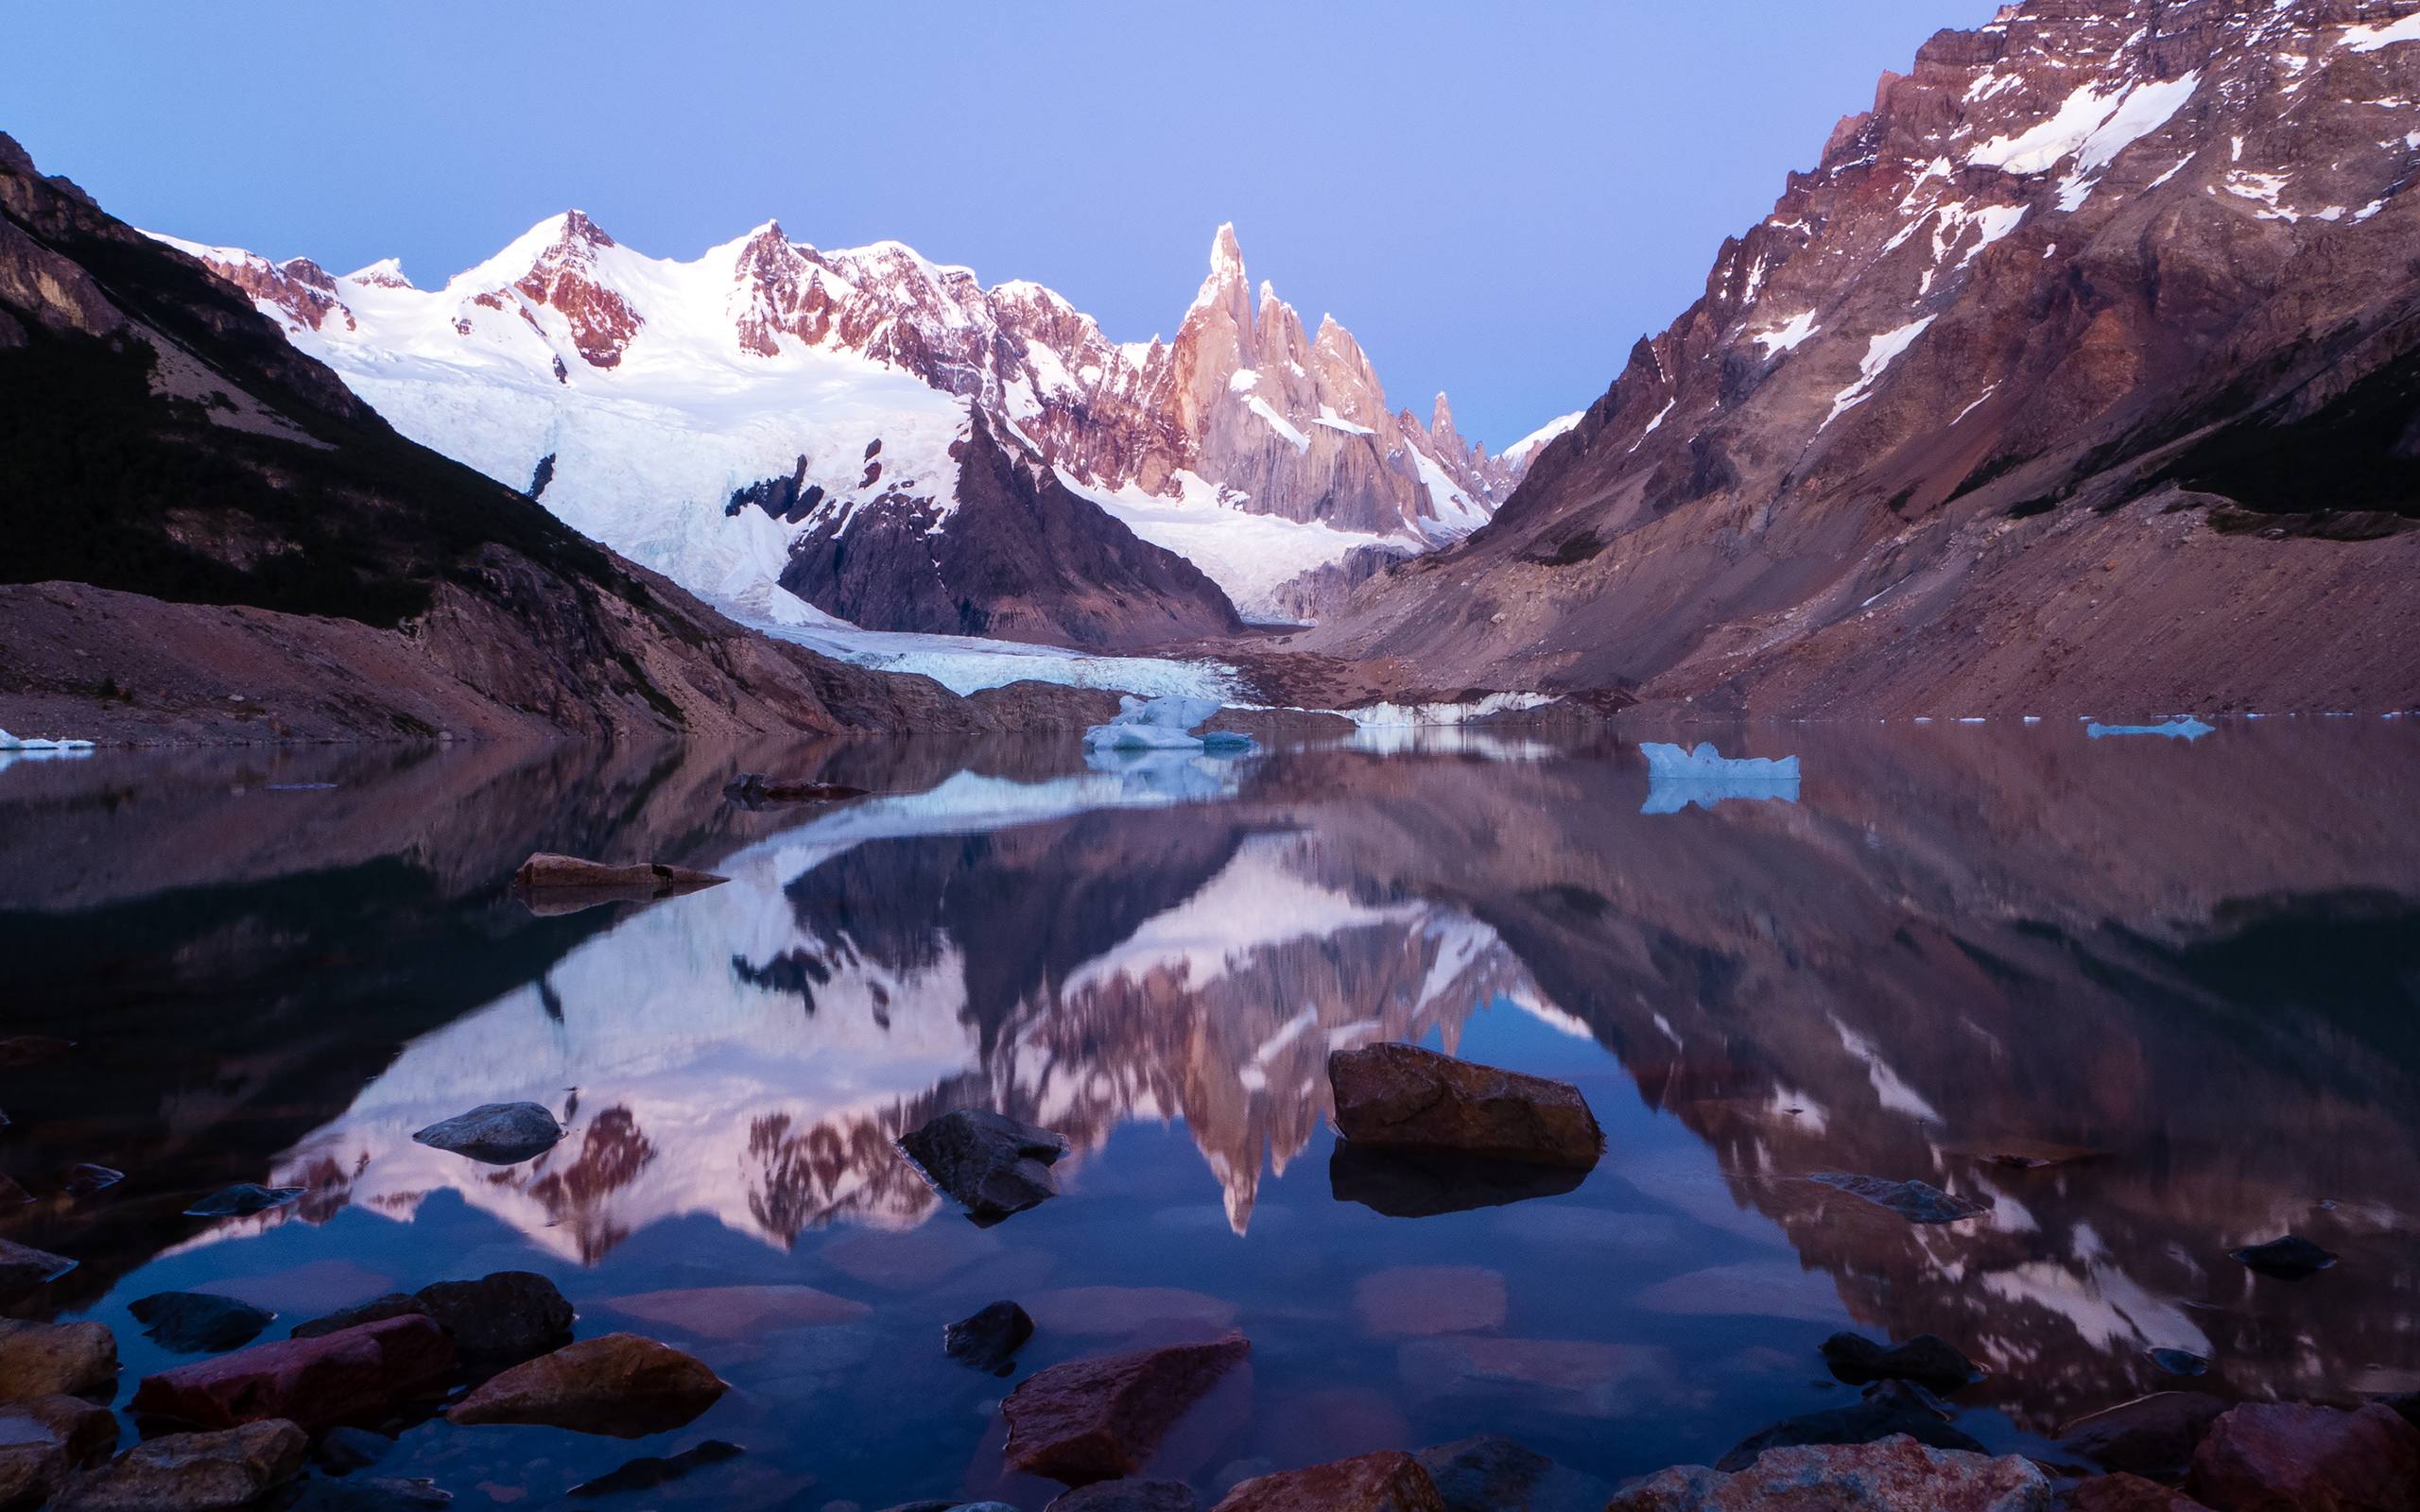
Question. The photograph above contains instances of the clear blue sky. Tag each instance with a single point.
(1497, 198)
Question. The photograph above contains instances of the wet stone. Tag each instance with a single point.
(341, 1451)
(242, 1201)
(85, 1180)
(2290, 1259)
(372, 1493)
(2288, 1457)
(193, 1472)
(511, 1316)
(23, 1267)
(198, 1322)
(649, 1472)
(2180, 1363)
(55, 1359)
(495, 1133)
(991, 1164)
(1927, 1360)
(1399, 1096)
(1389, 1480)
(1099, 1418)
(988, 1340)
(619, 1384)
(1126, 1496)
(2153, 1437)
(356, 1375)
(1894, 1475)
(394, 1304)
(1486, 1473)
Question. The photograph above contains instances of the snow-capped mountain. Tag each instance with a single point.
(772, 424)
(2078, 374)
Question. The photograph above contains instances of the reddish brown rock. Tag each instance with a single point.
(1892, 1475)
(619, 1384)
(2286, 1457)
(193, 1472)
(55, 1359)
(1389, 1480)
(2129, 1493)
(1398, 1096)
(85, 1430)
(653, 879)
(2153, 1437)
(357, 1375)
(1099, 1418)
(1126, 1496)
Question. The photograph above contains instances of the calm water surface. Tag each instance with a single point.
(2200, 958)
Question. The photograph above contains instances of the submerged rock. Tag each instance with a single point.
(1389, 1480)
(1896, 1474)
(198, 1322)
(356, 1375)
(193, 1472)
(1399, 1096)
(242, 1200)
(394, 1304)
(652, 1470)
(85, 1430)
(1889, 1410)
(2292, 1259)
(1126, 1496)
(1427, 1183)
(21, 1266)
(548, 884)
(2287, 1458)
(756, 790)
(341, 1451)
(993, 1164)
(509, 1317)
(1916, 1201)
(495, 1133)
(988, 1340)
(377, 1493)
(85, 1180)
(1927, 1360)
(619, 1384)
(1099, 1418)
(1489, 1474)
(55, 1359)
(2153, 1435)
(2128, 1493)
(2179, 1361)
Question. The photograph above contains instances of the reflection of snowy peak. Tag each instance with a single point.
(739, 1053)
(703, 416)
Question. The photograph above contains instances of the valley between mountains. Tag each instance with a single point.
(2080, 373)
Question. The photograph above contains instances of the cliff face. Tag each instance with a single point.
(212, 537)
(2084, 369)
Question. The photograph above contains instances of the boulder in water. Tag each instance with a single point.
(495, 1133)
(1399, 1096)
(193, 1472)
(198, 1322)
(619, 1384)
(993, 1164)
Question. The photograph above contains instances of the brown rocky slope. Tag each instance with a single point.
(2083, 374)
(209, 537)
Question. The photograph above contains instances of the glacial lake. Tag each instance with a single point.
(2189, 968)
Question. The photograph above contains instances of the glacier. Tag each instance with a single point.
(1162, 724)
(1677, 778)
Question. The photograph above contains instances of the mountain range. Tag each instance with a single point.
(2081, 374)
(883, 439)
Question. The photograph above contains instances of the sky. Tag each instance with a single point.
(1497, 198)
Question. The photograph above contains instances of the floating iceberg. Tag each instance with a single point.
(9, 742)
(1678, 777)
(1162, 724)
(2187, 728)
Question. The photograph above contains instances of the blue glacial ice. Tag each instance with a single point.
(1162, 724)
(1678, 777)
(2187, 728)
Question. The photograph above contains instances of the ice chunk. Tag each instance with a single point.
(9, 742)
(1162, 724)
(1704, 776)
(2187, 728)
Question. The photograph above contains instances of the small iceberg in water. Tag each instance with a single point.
(9, 742)
(1162, 724)
(2187, 728)
(1704, 776)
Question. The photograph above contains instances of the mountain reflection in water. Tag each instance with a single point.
(2195, 962)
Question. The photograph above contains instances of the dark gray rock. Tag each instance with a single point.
(1892, 1407)
(83, 1181)
(2153, 1437)
(495, 1133)
(2180, 1363)
(1128, 1496)
(988, 1340)
(1927, 1360)
(509, 1316)
(994, 1165)
(341, 1451)
(198, 1322)
(23, 1266)
(2290, 1259)
(242, 1201)
(1492, 1474)
(1916, 1201)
